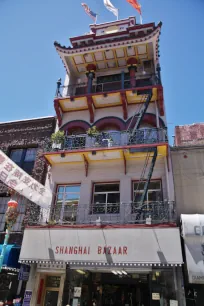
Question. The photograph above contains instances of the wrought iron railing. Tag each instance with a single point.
(93, 214)
(110, 139)
(82, 88)
(108, 213)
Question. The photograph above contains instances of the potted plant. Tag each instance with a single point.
(57, 139)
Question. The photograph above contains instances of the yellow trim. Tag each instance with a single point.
(98, 105)
(162, 152)
(61, 103)
(106, 60)
(134, 98)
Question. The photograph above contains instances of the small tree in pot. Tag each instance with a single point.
(94, 133)
(57, 139)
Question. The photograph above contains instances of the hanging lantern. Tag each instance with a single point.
(11, 213)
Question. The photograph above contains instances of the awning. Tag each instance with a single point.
(11, 257)
(193, 235)
(102, 247)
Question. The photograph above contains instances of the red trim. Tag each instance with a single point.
(101, 123)
(76, 124)
(86, 165)
(110, 149)
(124, 105)
(160, 98)
(89, 226)
(90, 107)
(40, 291)
(57, 110)
(125, 163)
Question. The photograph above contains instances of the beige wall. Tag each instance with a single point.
(105, 112)
(188, 172)
(109, 172)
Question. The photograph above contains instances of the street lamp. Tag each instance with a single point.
(11, 217)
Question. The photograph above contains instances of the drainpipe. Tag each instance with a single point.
(91, 68)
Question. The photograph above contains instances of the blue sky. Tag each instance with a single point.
(30, 66)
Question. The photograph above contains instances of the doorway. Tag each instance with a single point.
(51, 291)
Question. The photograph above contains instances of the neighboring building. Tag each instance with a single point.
(23, 141)
(110, 237)
(188, 170)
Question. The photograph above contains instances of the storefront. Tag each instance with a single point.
(193, 238)
(104, 266)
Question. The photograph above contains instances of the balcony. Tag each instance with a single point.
(111, 140)
(112, 213)
(82, 88)
(107, 94)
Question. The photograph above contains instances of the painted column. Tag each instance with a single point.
(132, 66)
(90, 75)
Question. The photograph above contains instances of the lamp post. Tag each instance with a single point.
(11, 217)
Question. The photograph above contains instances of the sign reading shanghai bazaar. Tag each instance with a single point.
(17, 179)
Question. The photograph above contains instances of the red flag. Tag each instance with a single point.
(136, 5)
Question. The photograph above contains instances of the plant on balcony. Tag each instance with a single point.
(92, 131)
(57, 139)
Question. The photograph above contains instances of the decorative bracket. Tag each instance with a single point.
(125, 163)
(124, 105)
(90, 107)
(86, 164)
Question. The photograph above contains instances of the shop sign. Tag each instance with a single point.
(24, 273)
(193, 235)
(77, 292)
(173, 303)
(156, 296)
(17, 179)
(102, 245)
(53, 281)
(27, 298)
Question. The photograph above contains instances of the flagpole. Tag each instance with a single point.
(96, 19)
(140, 19)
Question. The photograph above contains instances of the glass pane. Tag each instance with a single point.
(106, 187)
(100, 198)
(30, 154)
(51, 298)
(154, 196)
(72, 188)
(60, 189)
(139, 186)
(155, 185)
(72, 198)
(137, 197)
(113, 198)
(28, 166)
(59, 196)
(16, 155)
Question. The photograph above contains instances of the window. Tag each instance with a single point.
(24, 158)
(67, 200)
(154, 192)
(106, 198)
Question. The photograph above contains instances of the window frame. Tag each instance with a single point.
(117, 205)
(71, 205)
(23, 156)
(153, 180)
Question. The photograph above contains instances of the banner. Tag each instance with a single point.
(17, 179)
(193, 235)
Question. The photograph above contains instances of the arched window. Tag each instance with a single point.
(112, 132)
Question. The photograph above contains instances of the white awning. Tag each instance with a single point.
(193, 235)
(92, 246)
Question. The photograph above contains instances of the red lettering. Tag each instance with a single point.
(99, 249)
(85, 251)
(120, 251)
(114, 251)
(80, 250)
(75, 250)
(61, 250)
(66, 251)
(125, 250)
(12, 183)
(8, 167)
(2, 159)
(71, 250)
(109, 250)
(57, 250)
(3, 176)
(18, 174)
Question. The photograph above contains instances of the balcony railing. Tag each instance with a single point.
(110, 139)
(108, 213)
(82, 88)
